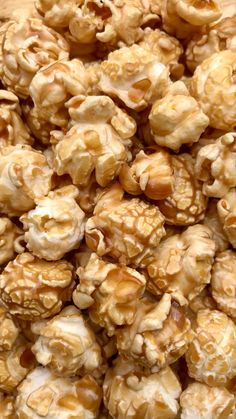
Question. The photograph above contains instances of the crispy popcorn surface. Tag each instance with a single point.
(43, 394)
(57, 13)
(183, 263)
(11, 237)
(27, 46)
(200, 401)
(226, 208)
(212, 221)
(24, 177)
(127, 230)
(187, 204)
(56, 225)
(110, 291)
(214, 87)
(130, 392)
(32, 289)
(202, 301)
(7, 410)
(211, 356)
(9, 330)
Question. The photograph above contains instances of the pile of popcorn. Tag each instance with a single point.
(118, 210)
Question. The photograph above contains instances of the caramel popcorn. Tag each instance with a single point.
(110, 291)
(40, 128)
(128, 230)
(33, 289)
(88, 195)
(7, 410)
(131, 392)
(9, 331)
(212, 221)
(226, 208)
(135, 76)
(97, 141)
(223, 282)
(43, 394)
(10, 240)
(200, 401)
(211, 356)
(57, 13)
(56, 225)
(27, 46)
(187, 204)
(24, 177)
(202, 301)
(215, 166)
(214, 87)
(150, 174)
(159, 335)
(183, 263)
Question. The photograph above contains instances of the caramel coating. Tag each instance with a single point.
(150, 174)
(56, 225)
(211, 356)
(110, 291)
(159, 335)
(130, 392)
(66, 337)
(214, 87)
(223, 282)
(27, 46)
(128, 230)
(214, 166)
(9, 331)
(203, 301)
(57, 13)
(97, 141)
(183, 263)
(212, 221)
(7, 410)
(135, 76)
(40, 128)
(88, 195)
(10, 240)
(33, 289)
(187, 204)
(200, 401)
(226, 208)
(43, 394)
(24, 177)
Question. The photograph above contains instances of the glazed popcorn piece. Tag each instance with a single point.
(9, 330)
(11, 237)
(7, 410)
(223, 282)
(39, 127)
(150, 174)
(57, 13)
(212, 221)
(226, 208)
(110, 291)
(202, 301)
(200, 401)
(88, 195)
(159, 335)
(135, 76)
(187, 204)
(33, 289)
(56, 225)
(215, 166)
(211, 356)
(131, 392)
(27, 46)
(65, 337)
(213, 86)
(128, 230)
(12, 129)
(24, 177)
(15, 365)
(183, 263)
(43, 394)
(98, 141)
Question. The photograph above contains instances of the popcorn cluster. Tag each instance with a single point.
(118, 209)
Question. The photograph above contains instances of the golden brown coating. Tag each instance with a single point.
(43, 394)
(24, 177)
(215, 166)
(159, 335)
(56, 225)
(183, 263)
(57, 13)
(214, 87)
(27, 46)
(187, 204)
(226, 208)
(11, 237)
(88, 195)
(130, 392)
(223, 282)
(212, 221)
(97, 141)
(66, 344)
(33, 289)
(202, 301)
(135, 76)
(150, 174)
(7, 410)
(128, 230)
(110, 291)
(9, 330)
(211, 356)
(200, 401)
(40, 128)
